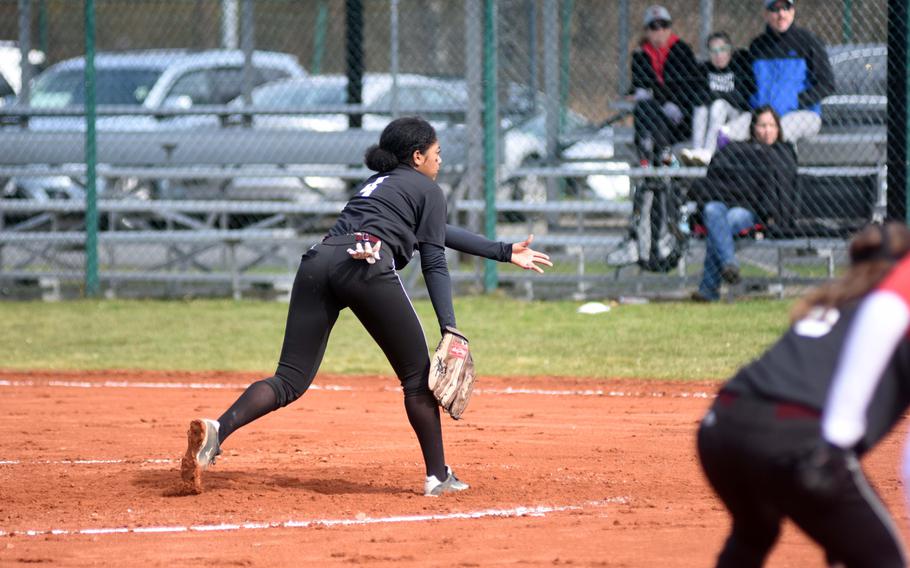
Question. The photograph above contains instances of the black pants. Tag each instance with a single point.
(747, 448)
(329, 280)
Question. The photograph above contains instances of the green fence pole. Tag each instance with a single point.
(42, 28)
(848, 21)
(490, 132)
(91, 207)
(322, 20)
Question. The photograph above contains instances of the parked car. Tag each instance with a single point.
(11, 70)
(439, 100)
(153, 80)
(442, 101)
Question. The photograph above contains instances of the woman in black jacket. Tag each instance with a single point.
(747, 183)
(666, 84)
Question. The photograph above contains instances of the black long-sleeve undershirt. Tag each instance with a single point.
(472, 243)
(439, 284)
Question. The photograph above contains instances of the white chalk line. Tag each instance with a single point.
(86, 461)
(238, 386)
(359, 519)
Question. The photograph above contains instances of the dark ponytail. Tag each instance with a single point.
(873, 252)
(398, 142)
(380, 160)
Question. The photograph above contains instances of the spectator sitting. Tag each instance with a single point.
(727, 79)
(792, 74)
(747, 183)
(665, 83)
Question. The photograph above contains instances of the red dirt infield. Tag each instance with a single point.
(578, 472)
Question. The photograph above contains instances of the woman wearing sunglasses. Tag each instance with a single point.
(727, 77)
(666, 83)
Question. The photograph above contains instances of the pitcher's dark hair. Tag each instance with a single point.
(397, 143)
(873, 252)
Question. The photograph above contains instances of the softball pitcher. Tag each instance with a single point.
(761, 444)
(396, 212)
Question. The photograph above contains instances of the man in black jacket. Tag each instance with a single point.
(792, 74)
(665, 86)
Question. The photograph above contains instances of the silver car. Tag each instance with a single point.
(151, 80)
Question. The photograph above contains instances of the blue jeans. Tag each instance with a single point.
(722, 223)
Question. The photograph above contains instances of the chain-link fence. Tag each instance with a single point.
(230, 132)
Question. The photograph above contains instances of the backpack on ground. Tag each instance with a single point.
(657, 237)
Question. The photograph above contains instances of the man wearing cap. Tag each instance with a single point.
(792, 74)
(665, 85)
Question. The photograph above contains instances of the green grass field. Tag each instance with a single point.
(509, 337)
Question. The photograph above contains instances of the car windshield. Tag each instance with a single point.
(299, 95)
(112, 87)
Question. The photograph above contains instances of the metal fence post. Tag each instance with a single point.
(229, 24)
(474, 135)
(565, 51)
(354, 62)
(91, 206)
(706, 24)
(393, 55)
(622, 62)
(25, 46)
(490, 133)
(248, 44)
(848, 21)
(42, 27)
(898, 117)
(551, 76)
(319, 29)
(532, 54)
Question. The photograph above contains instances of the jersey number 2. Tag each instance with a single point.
(371, 187)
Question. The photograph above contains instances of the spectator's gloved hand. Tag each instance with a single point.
(673, 112)
(641, 94)
(826, 470)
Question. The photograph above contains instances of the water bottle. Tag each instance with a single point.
(685, 211)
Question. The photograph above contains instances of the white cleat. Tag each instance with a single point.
(434, 488)
(201, 449)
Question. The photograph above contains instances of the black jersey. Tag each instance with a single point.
(800, 368)
(731, 83)
(402, 207)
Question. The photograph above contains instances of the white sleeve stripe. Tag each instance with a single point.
(881, 323)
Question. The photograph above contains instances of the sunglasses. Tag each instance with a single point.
(780, 8)
(658, 25)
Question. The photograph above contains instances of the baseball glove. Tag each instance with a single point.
(452, 372)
